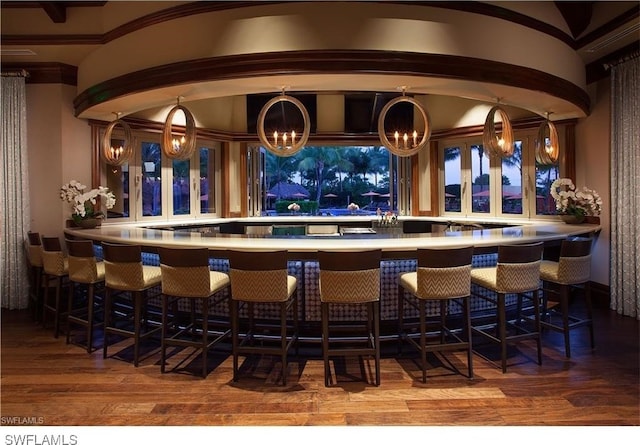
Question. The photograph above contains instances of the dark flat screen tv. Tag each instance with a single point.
(361, 112)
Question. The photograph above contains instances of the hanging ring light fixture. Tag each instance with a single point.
(122, 152)
(176, 146)
(547, 149)
(285, 142)
(404, 145)
(498, 146)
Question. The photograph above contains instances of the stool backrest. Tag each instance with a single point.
(34, 249)
(123, 266)
(185, 272)
(518, 268)
(258, 276)
(53, 258)
(574, 265)
(350, 277)
(444, 273)
(83, 267)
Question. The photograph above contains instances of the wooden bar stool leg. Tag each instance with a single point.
(564, 308)
(205, 334)
(70, 308)
(589, 303)
(423, 340)
(107, 321)
(165, 333)
(234, 337)
(467, 320)
(376, 337)
(137, 320)
(325, 342)
(536, 314)
(502, 328)
(56, 319)
(400, 317)
(283, 340)
(90, 315)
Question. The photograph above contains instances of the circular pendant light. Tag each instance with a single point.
(404, 144)
(498, 145)
(285, 141)
(120, 153)
(547, 148)
(177, 145)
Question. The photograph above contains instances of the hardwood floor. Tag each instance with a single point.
(61, 384)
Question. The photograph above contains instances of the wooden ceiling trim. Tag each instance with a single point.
(331, 62)
(627, 16)
(46, 72)
(193, 8)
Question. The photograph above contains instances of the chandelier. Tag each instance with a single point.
(284, 141)
(401, 143)
(182, 145)
(122, 151)
(547, 149)
(500, 146)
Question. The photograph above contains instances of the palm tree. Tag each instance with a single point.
(316, 159)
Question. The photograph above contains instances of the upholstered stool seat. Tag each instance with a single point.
(186, 276)
(84, 270)
(572, 270)
(125, 273)
(350, 278)
(517, 272)
(443, 276)
(55, 265)
(261, 278)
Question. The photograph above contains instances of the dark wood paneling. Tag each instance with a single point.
(331, 62)
(46, 72)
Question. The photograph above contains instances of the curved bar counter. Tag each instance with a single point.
(398, 249)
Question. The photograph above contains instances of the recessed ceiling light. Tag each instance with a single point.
(17, 52)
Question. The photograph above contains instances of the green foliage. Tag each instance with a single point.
(308, 207)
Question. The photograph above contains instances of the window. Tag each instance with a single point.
(153, 187)
(472, 183)
(324, 180)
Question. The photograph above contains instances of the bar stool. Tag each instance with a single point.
(124, 272)
(517, 272)
(34, 259)
(443, 276)
(86, 271)
(55, 268)
(351, 278)
(259, 278)
(186, 276)
(572, 270)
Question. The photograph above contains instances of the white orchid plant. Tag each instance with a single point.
(83, 202)
(569, 201)
(294, 206)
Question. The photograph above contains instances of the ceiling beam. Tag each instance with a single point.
(57, 11)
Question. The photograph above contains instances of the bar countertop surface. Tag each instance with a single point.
(165, 234)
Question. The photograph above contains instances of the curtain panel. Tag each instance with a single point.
(14, 192)
(625, 187)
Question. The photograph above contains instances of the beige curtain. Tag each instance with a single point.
(14, 193)
(625, 187)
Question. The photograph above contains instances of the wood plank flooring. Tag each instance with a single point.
(62, 384)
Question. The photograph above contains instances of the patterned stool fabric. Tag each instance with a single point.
(517, 272)
(572, 270)
(350, 278)
(85, 270)
(443, 276)
(261, 278)
(186, 276)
